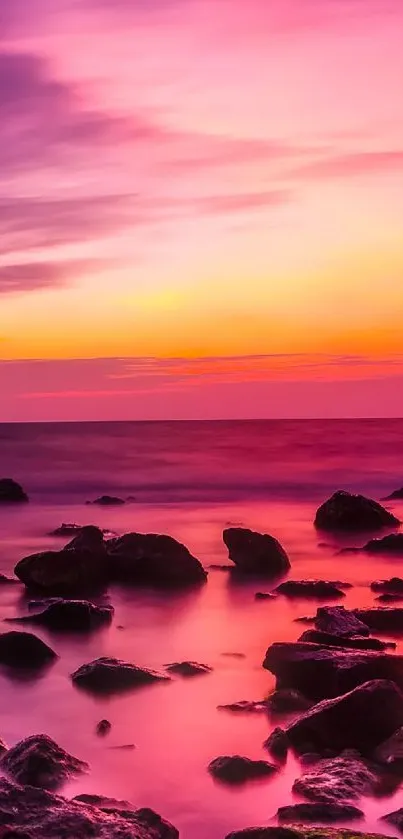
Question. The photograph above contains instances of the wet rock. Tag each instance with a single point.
(125, 746)
(108, 501)
(314, 636)
(7, 581)
(381, 619)
(152, 559)
(390, 752)
(396, 495)
(188, 668)
(390, 598)
(339, 621)
(392, 586)
(337, 780)
(245, 707)
(49, 816)
(347, 512)
(277, 744)
(395, 818)
(234, 655)
(309, 588)
(70, 529)
(255, 553)
(103, 727)
(235, 769)
(40, 762)
(42, 602)
(319, 813)
(287, 700)
(25, 651)
(110, 675)
(272, 833)
(305, 619)
(11, 492)
(392, 544)
(360, 719)
(265, 595)
(71, 616)
(102, 802)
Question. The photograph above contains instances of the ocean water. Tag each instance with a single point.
(189, 480)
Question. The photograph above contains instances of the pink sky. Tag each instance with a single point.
(201, 179)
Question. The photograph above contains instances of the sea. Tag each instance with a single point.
(189, 480)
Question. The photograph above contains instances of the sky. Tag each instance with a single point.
(201, 209)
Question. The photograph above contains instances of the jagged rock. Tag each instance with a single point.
(109, 675)
(11, 492)
(188, 668)
(319, 812)
(23, 650)
(395, 818)
(108, 501)
(392, 586)
(30, 812)
(107, 805)
(381, 619)
(245, 707)
(360, 719)
(38, 761)
(390, 752)
(327, 639)
(255, 553)
(287, 700)
(339, 621)
(309, 588)
(235, 769)
(391, 544)
(152, 559)
(337, 780)
(396, 495)
(347, 512)
(71, 616)
(103, 727)
(277, 744)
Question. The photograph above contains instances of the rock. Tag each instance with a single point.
(11, 492)
(381, 619)
(265, 595)
(151, 559)
(396, 495)
(319, 813)
(305, 619)
(50, 816)
(81, 566)
(234, 655)
(235, 769)
(320, 672)
(309, 588)
(71, 616)
(389, 598)
(109, 675)
(277, 744)
(339, 621)
(39, 762)
(392, 586)
(108, 805)
(255, 553)
(25, 651)
(392, 544)
(287, 700)
(245, 707)
(361, 719)
(395, 818)
(69, 529)
(6, 581)
(390, 752)
(108, 501)
(277, 833)
(188, 668)
(347, 512)
(337, 780)
(124, 746)
(356, 643)
(103, 727)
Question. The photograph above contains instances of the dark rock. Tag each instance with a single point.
(71, 616)
(151, 559)
(23, 650)
(327, 639)
(392, 544)
(396, 495)
(124, 746)
(310, 758)
(381, 619)
(305, 619)
(392, 586)
(103, 727)
(235, 769)
(234, 655)
(337, 780)
(245, 707)
(42, 602)
(217, 567)
(109, 675)
(287, 700)
(255, 553)
(3, 749)
(108, 501)
(339, 621)
(188, 668)
(275, 833)
(6, 581)
(39, 762)
(361, 719)
(347, 512)
(390, 752)
(319, 812)
(49, 816)
(11, 492)
(389, 598)
(265, 595)
(395, 818)
(309, 588)
(69, 529)
(102, 802)
(277, 744)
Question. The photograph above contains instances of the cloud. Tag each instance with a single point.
(352, 165)
(33, 276)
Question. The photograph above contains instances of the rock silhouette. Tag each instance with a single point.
(347, 512)
(255, 553)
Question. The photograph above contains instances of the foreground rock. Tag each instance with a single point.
(392, 544)
(31, 813)
(298, 831)
(338, 780)
(339, 621)
(319, 813)
(255, 553)
(110, 675)
(310, 588)
(80, 567)
(361, 719)
(152, 559)
(11, 492)
(347, 512)
(235, 769)
(277, 744)
(39, 762)
(108, 501)
(71, 616)
(327, 639)
(188, 668)
(25, 651)
(382, 619)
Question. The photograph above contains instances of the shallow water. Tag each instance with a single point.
(190, 480)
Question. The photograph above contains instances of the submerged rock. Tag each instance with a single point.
(188, 668)
(110, 675)
(108, 501)
(245, 707)
(287, 700)
(39, 762)
(392, 586)
(391, 544)
(235, 769)
(347, 512)
(152, 559)
(337, 780)
(382, 619)
(339, 621)
(265, 595)
(319, 813)
(299, 831)
(328, 639)
(255, 553)
(103, 727)
(25, 651)
(309, 588)
(277, 744)
(389, 598)
(70, 529)
(71, 616)
(11, 492)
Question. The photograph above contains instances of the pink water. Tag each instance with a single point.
(190, 481)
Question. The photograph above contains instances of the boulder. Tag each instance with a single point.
(152, 559)
(396, 495)
(286, 701)
(245, 707)
(21, 650)
(391, 544)
(7, 581)
(347, 512)
(11, 492)
(188, 668)
(25, 808)
(108, 501)
(234, 769)
(390, 598)
(328, 639)
(255, 553)
(390, 752)
(277, 744)
(71, 616)
(337, 780)
(395, 818)
(39, 762)
(339, 621)
(103, 727)
(392, 586)
(360, 719)
(320, 589)
(381, 619)
(110, 675)
(319, 813)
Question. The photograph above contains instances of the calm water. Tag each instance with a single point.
(189, 480)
